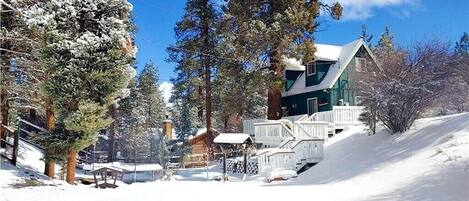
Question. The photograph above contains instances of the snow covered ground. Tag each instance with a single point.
(429, 162)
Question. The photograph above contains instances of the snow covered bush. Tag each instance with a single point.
(405, 84)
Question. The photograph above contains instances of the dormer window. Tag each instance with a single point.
(311, 68)
(360, 64)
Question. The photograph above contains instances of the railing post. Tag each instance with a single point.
(16, 142)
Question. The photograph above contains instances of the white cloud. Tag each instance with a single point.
(362, 9)
(166, 89)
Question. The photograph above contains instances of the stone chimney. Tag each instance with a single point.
(168, 128)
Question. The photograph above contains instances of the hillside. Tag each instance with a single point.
(429, 162)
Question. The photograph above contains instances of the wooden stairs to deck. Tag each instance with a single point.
(305, 134)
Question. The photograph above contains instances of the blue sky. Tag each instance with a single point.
(410, 20)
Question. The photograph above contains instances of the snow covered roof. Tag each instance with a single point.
(127, 166)
(232, 138)
(201, 132)
(293, 64)
(341, 54)
(323, 52)
(327, 52)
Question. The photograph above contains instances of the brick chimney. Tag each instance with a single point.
(168, 128)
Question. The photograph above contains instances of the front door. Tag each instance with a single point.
(312, 105)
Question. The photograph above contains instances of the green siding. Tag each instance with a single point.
(291, 77)
(296, 104)
(342, 89)
(322, 67)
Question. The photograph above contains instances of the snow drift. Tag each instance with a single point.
(429, 162)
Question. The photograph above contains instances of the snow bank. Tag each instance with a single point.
(429, 162)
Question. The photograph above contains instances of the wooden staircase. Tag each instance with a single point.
(304, 138)
(304, 135)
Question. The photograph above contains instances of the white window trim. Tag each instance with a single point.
(307, 105)
(311, 73)
(363, 63)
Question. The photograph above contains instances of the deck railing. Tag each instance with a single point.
(340, 115)
(347, 115)
(310, 150)
(296, 117)
(272, 133)
(311, 129)
(248, 125)
(275, 162)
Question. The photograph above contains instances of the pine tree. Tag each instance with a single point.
(239, 94)
(366, 37)
(24, 73)
(89, 65)
(267, 31)
(151, 100)
(462, 46)
(138, 135)
(386, 42)
(124, 120)
(194, 53)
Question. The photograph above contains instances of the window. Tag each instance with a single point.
(312, 104)
(360, 64)
(311, 68)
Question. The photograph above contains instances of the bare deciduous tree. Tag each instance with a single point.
(406, 83)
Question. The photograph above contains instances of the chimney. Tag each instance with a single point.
(168, 128)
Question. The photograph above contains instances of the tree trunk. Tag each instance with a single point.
(274, 99)
(71, 166)
(274, 103)
(111, 135)
(4, 110)
(6, 23)
(49, 168)
(207, 66)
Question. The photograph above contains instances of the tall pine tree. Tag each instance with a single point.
(89, 55)
(194, 53)
(153, 106)
(264, 32)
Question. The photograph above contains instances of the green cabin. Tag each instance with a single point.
(326, 82)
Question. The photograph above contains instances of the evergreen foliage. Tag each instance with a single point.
(462, 46)
(261, 33)
(195, 54)
(88, 56)
(140, 115)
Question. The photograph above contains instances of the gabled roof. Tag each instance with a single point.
(341, 54)
(202, 133)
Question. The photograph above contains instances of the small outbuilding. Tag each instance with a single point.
(238, 140)
(202, 148)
